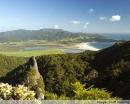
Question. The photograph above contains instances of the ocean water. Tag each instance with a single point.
(118, 36)
(101, 45)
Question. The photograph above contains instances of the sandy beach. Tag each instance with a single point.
(86, 46)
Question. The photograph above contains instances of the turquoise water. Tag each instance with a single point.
(101, 45)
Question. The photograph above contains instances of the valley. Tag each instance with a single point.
(64, 51)
(36, 48)
(61, 70)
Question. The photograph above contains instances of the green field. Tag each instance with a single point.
(32, 53)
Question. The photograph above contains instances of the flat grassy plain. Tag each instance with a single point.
(33, 53)
(18, 48)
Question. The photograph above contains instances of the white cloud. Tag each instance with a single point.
(115, 18)
(102, 18)
(75, 22)
(91, 10)
(86, 25)
(56, 26)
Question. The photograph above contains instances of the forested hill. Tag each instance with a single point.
(113, 65)
(108, 68)
(49, 35)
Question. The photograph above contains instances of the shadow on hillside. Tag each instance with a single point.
(14, 76)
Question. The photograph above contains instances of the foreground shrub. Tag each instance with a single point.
(91, 94)
(81, 93)
(23, 93)
(6, 91)
(20, 92)
(52, 96)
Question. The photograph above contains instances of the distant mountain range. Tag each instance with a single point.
(49, 35)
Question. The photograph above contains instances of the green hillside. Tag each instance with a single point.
(108, 68)
(7, 64)
(113, 65)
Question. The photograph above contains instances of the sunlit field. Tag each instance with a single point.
(33, 53)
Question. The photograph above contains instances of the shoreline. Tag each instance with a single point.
(86, 46)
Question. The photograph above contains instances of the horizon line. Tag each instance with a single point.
(107, 33)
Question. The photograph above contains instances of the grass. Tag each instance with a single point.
(33, 53)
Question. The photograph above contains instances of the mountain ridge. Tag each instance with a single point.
(49, 35)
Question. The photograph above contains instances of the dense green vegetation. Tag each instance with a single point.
(8, 64)
(113, 65)
(21, 92)
(59, 71)
(76, 76)
(81, 93)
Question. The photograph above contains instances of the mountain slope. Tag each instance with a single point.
(49, 35)
(8, 64)
(108, 68)
(111, 55)
(113, 65)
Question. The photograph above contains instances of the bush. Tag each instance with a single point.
(90, 94)
(20, 92)
(52, 96)
(6, 91)
(23, 93)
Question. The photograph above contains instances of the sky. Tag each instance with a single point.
(91, 16)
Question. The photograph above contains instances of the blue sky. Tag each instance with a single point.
(93, 16)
